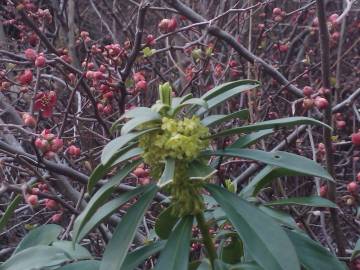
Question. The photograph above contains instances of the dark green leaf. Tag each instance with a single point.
(218, 90)
(221, 118)
(102, 169)
(251, 138)
(100, 197)
(232, 252)
(128, 155)
(281, 159)
(82, 265)
(124, 233)
(136, 122)
(219, 265)
(175, 255)
(168, 173)
(264, 239)
(225, 95)
(312, 255)
(314, 201)
(42, 235)
(356, 250)
(9, 211)
(282, 122)
(197, 170)
(281, 217)
(246, 266)
(107, 209)
(139, 255)
(36, 257)
(264, 178)
(165, 223)
(115, 145)
(77, 253)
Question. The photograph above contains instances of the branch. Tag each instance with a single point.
(327, 134)
(230, 40)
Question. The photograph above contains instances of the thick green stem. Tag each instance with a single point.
(209, 245)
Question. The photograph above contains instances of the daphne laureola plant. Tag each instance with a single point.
(174, 138)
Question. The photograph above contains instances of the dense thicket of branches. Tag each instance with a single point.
(68, 69)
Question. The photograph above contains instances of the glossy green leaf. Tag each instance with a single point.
(117, 248)
(263, 238)
(165, 223)
(237, 85)
(77, 253)
(175, 255)
(139, 255)
(194, 102)
(108, 209)
(314, 201)
(222, 118)
(176, 101)
(281, 159)
(100, 197)
(220, 265)
(102, 169)
(135, 112)
(36, 257)
(214, 101)
(249, 139)
(247, 266)
(82, 265)
(356, 250)
(115, 145)
(138, 121)
(168, 173)
(232, 252)
(312, 255)
(279, 216)
(42, 235)
(128, 155)
(9, 211)
(282, 122)
(264, 178)
(197, 170)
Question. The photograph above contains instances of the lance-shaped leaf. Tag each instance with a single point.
(165, 223)
(9, 211)
(214, 100)
(281, 159)
(263, 238)
(312, 255)
(86, 265)
(221, 118)
(223, 88)
(37, 257)
(264, 178)
(115, 145)
(197, 170)
(138, 121)
(124, 233)
(102, 169)
(314, 201)
(107, 210)
(43, 235)
(168, 173)
(249, 139)
(139, 255)
(175, 255)
(282, 122)
(100, 197)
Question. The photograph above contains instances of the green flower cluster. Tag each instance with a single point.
(181, 140)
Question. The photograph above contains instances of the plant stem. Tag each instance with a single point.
(209, 245)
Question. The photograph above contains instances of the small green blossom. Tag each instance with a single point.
(183, 141)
